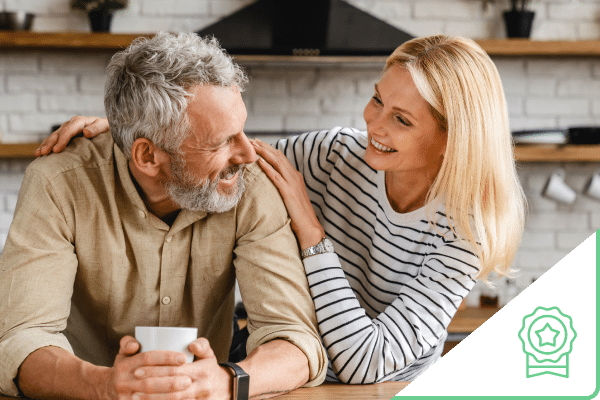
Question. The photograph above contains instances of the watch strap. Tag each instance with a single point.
(241, 381)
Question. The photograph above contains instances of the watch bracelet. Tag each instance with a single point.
(319, 248)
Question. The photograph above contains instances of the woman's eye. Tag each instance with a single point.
(376, 99)
(402, 121)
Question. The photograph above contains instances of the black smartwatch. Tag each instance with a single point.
(241, 381)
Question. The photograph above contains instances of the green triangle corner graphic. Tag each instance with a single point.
(491, 361)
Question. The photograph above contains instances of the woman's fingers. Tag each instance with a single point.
(46, 145)
(58, 140)
(278, 180)
(264, 150)
(275, 158)
(95, 127)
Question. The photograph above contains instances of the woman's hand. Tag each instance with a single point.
(291, 185)
(58, 140)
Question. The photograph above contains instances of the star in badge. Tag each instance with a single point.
(547, 331)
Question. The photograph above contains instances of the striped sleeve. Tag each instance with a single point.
(312, 153)
(364, 350)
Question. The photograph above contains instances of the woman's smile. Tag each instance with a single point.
(382, 147)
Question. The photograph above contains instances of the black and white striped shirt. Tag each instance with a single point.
(385, 299)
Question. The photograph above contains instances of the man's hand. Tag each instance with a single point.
(58, 140)
(154, 374)
(204, 378)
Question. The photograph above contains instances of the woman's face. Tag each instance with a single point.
(403, 133)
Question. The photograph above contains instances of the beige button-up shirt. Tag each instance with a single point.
(85, 262)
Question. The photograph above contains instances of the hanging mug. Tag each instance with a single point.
(557, 189)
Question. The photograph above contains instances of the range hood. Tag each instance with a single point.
(305, 27)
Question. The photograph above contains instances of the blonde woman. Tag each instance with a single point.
(395, 224)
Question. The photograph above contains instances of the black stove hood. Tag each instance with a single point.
(305, 27)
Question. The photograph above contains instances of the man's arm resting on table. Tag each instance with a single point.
(275, 367)
(52, 372)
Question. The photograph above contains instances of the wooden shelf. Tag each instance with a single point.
(555, 48)
(114, 42)
(523, 153)
(65, 40)
(18, 150)
(554, 153)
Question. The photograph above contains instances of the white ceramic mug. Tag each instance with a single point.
(592, 187)
(557, 190)
(166, 338)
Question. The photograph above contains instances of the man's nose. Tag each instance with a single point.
(245, 153)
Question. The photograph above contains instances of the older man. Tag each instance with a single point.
(150, 226)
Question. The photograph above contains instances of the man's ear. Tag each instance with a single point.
(148, 158)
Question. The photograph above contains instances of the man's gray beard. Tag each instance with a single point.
(193, 196)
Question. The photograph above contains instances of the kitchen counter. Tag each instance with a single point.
(466, 321)
(470, 318)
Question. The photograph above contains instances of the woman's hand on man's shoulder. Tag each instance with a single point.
(60, 138)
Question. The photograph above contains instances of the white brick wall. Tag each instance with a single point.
(40, 89)
(563, 19)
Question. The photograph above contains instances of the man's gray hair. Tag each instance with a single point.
(146, 88)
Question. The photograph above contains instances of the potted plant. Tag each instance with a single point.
(518, 19)
(100, 12)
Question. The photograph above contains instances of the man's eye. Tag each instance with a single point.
(224, 143)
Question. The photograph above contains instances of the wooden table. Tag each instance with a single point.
(335, 391)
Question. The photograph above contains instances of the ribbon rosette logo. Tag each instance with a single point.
(547, 335)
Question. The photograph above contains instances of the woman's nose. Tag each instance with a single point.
(375, 122)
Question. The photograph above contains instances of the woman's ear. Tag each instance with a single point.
(147, 158)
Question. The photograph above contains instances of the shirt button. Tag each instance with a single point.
(166, 300)
(169, 239)
(142, 214)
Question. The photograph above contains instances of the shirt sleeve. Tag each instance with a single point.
(37, 271)
(364, 350)
(271, 277)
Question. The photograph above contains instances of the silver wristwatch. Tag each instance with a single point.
(324, 246)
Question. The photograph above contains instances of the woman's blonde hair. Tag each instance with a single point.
(478, 179)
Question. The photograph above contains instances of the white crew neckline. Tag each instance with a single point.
(393, 216)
